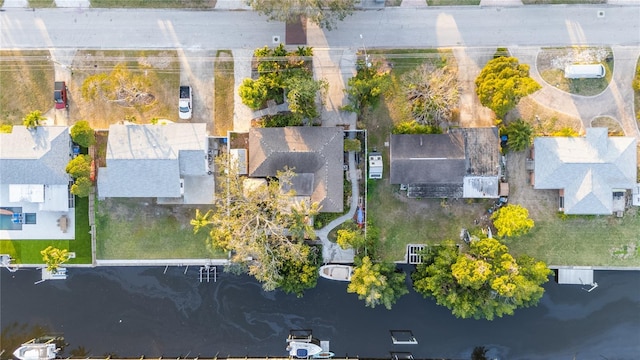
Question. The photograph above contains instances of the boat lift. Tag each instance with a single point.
(206, 271)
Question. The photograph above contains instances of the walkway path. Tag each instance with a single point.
(470, 63)
(616, 101)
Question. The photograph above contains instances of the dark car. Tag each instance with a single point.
(60, 95)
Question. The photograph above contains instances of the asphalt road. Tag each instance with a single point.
(391, 27)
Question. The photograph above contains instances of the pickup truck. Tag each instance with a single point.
(60, 94)
(184, 104)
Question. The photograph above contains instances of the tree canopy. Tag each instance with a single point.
(324, 13)
(512, 220)
(81, 187)
(33, 119)
(83, 134)
(519, 135)
(80, 166)
(364, 89)
(483, 283)
(262, 226)
(502, 83)
(54, 257)
(377, 284)
(432, 94)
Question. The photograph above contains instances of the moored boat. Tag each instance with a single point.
(336, 272)
(36, 351)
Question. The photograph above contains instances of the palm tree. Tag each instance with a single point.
(33, 119)
(201, 220)
(519, 133)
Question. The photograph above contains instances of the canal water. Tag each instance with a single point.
(144, 311)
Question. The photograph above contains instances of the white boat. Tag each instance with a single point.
(303, 350)
(36, 351)
(336, 272)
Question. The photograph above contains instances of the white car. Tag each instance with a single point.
(184, 105)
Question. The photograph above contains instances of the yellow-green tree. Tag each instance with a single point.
(512, 220)
(80, 166)
(377, 284)
(502, 83)
(54, 257)
(483, 283)
(82, 187)
(350, 238)
(33, 119)
(83, 134)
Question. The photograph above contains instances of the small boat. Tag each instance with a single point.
(37, 351)
(303, 350)
(336, 272)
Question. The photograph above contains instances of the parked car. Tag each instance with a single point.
(184, 104)
(60, 95)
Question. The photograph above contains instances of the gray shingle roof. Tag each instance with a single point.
(587, 168)
(149, 160)
(36, 156)
(308, 150)
(463, 162)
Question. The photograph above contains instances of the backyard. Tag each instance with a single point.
(140, 229)
(555, 239)
(28, 251)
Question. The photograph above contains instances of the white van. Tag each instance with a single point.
(584, 71)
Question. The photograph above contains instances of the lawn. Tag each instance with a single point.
(636, 93)
(137, 229)
(153, 3)
(551, 61)
(545, 2)
(34, 72)
(224, 83)
(586, 240)
(42, 3)
(160, 68)
(28, 251)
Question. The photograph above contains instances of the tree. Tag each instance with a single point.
(324, 13)
(519, 133)
(350, 238)
(377, 284)
(352, 145)
(566, 131)
(81, 187)
(483, 283)
(54, 257)
(253, 93)
(432, 94)
(80, 166)
(301, 94)
(502, 83)
(298, 276)
(127, 88)
(364, 89)
(82, 134)
(33, 119)
(6, 128)
(512, 220)
(260, 224)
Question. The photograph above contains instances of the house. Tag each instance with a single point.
(375, 165)
(34, 187)
(591, 172)
(315, 154)
(166, 162)
(463, 163)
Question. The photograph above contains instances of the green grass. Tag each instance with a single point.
(28, 251)
(224, 87)
(42, 3)
(153, 3)
(636, 93)
(148, 236)
(586, 241)
(34, 72)
(452, 2)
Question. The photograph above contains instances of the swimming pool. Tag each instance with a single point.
(6, 222)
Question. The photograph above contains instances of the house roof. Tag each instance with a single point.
(587, 168)
(316, 153)
(462, 163)
(37, 156)
(150, 160)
